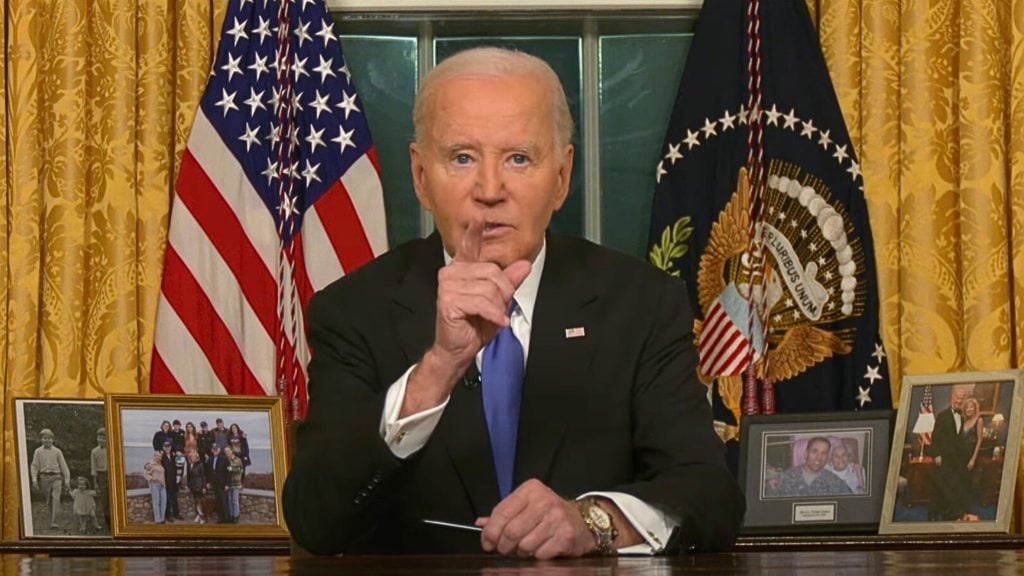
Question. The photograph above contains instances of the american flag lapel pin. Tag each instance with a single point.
(577, 332)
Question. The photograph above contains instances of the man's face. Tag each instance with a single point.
(220, 425)
(176, 426)
(101, 440)
(840, 459)
(488, 153)
(957, 398)
(817, 454)
(47, 440)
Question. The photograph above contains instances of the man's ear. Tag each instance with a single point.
(564, 175)
(418, 178)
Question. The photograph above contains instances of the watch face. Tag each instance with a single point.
(599, 517)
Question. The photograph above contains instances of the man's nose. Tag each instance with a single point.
(490, 184)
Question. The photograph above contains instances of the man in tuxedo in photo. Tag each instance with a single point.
(949, 473)
(493, 375)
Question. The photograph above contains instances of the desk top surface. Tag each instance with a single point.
(916, 562)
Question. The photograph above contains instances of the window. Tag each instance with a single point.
(620, 70)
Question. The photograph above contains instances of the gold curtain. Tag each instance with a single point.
(933, 95)
(99, 97)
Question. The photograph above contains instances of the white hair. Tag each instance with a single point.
(495, 62)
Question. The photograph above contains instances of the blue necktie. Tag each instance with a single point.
(502, 381)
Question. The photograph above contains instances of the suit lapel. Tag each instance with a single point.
(557, 364)
(462, 429)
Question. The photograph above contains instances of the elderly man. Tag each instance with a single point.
(849, 472)
(811, 478)
(950, 481)
(496, 388)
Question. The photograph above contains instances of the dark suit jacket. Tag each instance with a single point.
(618, 409)
(217, 475)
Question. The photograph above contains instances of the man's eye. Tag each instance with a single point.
(520, 159)
(462, 159)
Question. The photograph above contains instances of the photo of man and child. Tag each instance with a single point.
(819, 463)
(62, 461)
(198, 467)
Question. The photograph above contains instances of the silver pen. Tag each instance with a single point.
(453, 525)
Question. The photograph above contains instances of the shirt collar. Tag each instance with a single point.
(526, 294)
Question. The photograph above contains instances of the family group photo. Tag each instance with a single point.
(62, 463)
(188, 466)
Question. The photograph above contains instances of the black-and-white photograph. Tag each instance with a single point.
(195, 465)
(63, 468)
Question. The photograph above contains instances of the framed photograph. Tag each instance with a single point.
(196, 466)
(954, 457)
(62, 468)
(814, 473)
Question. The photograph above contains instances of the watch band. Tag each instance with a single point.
(603, 537)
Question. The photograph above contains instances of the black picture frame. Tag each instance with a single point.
(773, 451)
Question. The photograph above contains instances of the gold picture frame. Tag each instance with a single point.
(950, 472)
(211, 507)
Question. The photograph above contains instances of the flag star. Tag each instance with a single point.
(742, 114)
(773, 116)
(293, 135)
(263, 30)
(288, 170)
(227, 101)
(673, 153)
(310, 172)
(854, 169)
(691, 139)
(878, 353)
(255, 101)
(324, 68)
(297, 102)
(864, 396)
(661, 172)
(824, 139)
(302, 32)
(840, 153)
(315, 138)
(872, 375)
(299, 67)
(320, 104)
(238, 31)
(727, 121)
(232, 67)
(327, 33)
(288, 207)
(348, 73)
(808, 129)
(348, 104)
(275, 99)
(305, 2)
(250, 137)
(789, 120)
(344, 139)
(270, 172)
(259, 65)
(275, 135)
(709, 129)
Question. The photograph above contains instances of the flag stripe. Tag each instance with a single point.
(344, 229)
(319, 250)
(362, 183)
(188, 365)
(210, 333)
(162, 381)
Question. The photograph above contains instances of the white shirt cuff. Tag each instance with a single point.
(408, 435)
(652, 524)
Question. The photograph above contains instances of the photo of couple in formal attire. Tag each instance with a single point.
(953, 452)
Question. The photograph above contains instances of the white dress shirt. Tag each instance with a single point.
(408, 435)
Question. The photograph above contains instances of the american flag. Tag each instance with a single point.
(278, 195)
(925, 418)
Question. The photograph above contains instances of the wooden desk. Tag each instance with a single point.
(970, 561)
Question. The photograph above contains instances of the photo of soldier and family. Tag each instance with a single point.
(818, 463)
(952, 458)
(198, 467)
(62, 460)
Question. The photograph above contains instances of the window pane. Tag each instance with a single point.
(384, 70)
(563, 54)
(639, 79)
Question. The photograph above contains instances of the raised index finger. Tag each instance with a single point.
(469, 250)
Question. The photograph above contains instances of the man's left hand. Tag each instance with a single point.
(533, 521)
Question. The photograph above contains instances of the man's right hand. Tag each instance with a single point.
(472, 305)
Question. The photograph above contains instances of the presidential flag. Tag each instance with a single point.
(278, 195)
(759, 206)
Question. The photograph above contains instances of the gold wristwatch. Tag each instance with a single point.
(599, 522)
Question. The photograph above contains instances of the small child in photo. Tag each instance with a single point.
(85, 505)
